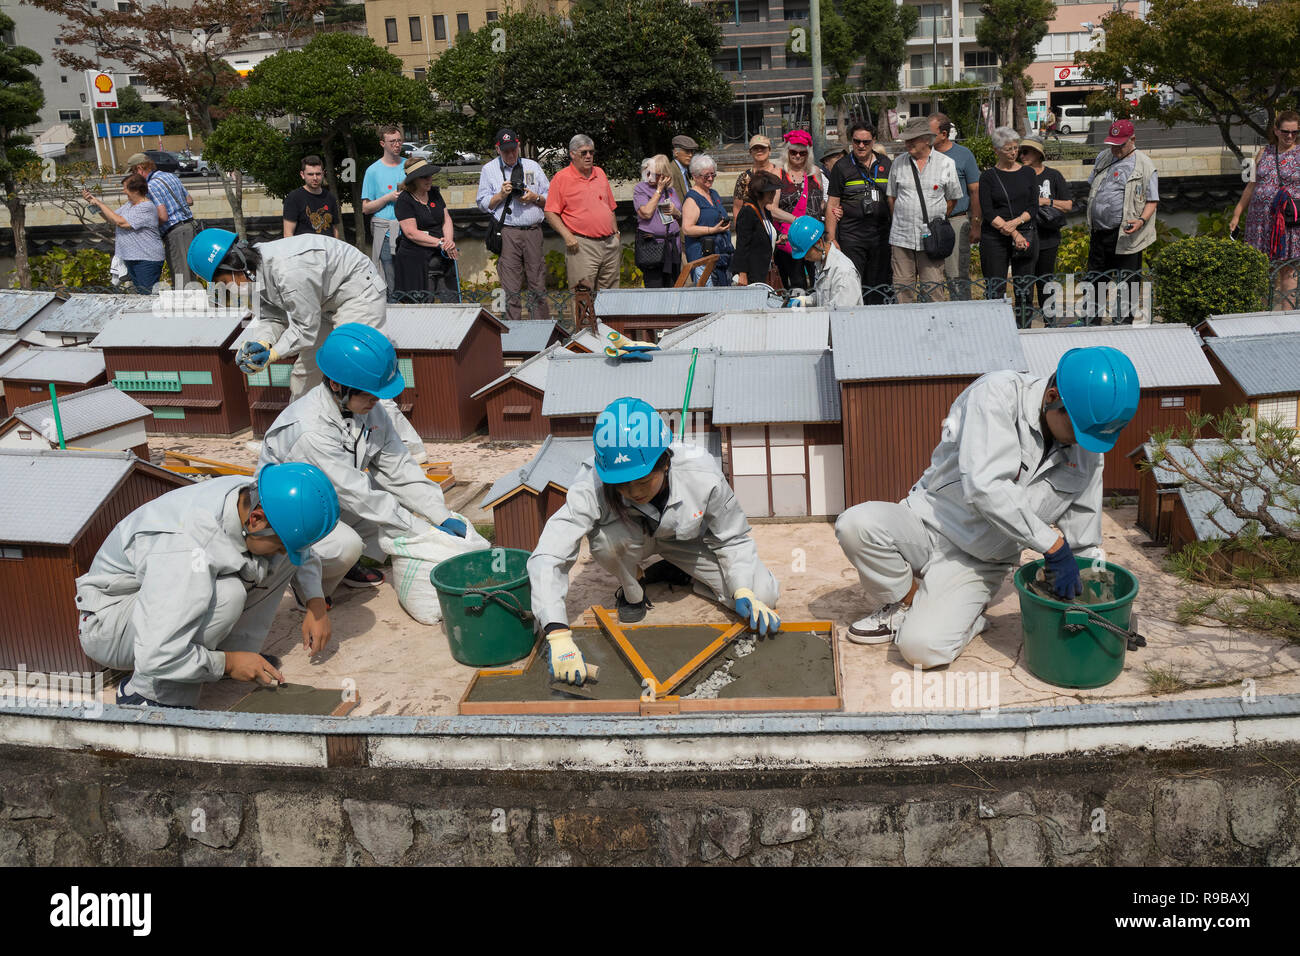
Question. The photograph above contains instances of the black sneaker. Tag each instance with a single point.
(362, 577)
(665, 572)
(629, 613)
(301, 605)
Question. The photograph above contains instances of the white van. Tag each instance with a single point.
(1074, 119)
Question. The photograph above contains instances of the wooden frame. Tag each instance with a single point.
(662, 688)
(667, 705)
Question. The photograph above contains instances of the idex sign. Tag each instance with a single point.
(131, 129)
(102, 89)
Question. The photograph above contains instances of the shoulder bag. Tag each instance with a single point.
(493, 239)
(1051, 219)
(939, 243)
(1286, 204)
(1028, 230)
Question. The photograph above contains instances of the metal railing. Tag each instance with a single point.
(969, 25)
(918, 77)
(931, 28)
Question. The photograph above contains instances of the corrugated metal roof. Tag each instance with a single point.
(1166, 355)
(432, 328)
(84, 413)
(1260, 364)
(558, 461)
(17, 306)
(1253, 323)
(60, 492)
(1200, 504)
(925, 340)
(693, 300)
(753, 387)
(178, 331)
(531, 371)
(527, 336)
(592, 341)
(585, 384)
(87, 312)
(8, 342)
(1187, 457)
(766, 330)
(77, 365)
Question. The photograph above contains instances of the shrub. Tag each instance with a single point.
(1198, 277)
(982, 147)
(1072, 254)
(58, 270)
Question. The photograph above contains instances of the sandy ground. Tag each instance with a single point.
(402, 667)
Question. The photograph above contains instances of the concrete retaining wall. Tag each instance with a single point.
(1235, 806)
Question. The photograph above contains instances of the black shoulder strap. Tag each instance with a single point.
(920, 193)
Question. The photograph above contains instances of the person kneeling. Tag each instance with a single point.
(1018, 454)
(641, 496)
(185, 588)
(838, 284)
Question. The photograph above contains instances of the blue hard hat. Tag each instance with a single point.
(206, 251)
(300, 504)
(630, 437)
(1099, 388)
(803, 235)
(362, 358)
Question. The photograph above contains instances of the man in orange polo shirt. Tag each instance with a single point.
(580, 207)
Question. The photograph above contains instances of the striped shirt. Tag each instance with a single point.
(141, 242)
(167, 193)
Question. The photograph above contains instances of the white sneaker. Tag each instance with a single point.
(881, 627)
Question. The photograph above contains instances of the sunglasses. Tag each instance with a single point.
(797, 152)
(706, 175)
(1286, 132)
(759, 149)
(585, 152)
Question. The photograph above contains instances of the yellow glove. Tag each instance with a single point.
(761, 617)
(566, 660)
(255, 356)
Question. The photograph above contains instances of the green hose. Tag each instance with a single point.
(690, 383)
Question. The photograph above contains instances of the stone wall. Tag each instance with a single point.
(1203, 807)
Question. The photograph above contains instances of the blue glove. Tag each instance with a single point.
(760, 617)
(454, 526)
(624, 348)
(255, 356)
(1063, 572)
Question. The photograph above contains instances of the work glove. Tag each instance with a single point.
(761, 617)
(255, 356)
(566, 660)
(622, 347)
(454, 526)
(799, 302)
(1063, 573)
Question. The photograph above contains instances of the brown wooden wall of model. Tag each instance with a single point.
(520, 520)
(1227, 394)
(38, 593)
(643, 328)
(890, 431)
(228, 387)
(20, 392)
(441, 406)
(1120, 474)
(515, 427)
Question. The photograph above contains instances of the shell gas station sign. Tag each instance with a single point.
(102, 90)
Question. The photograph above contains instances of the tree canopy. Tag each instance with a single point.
(1012, 30)
(1230, 63)
(21, 99)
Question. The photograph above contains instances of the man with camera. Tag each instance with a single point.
(513, 190)
(857, 212)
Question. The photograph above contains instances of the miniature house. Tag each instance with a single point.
(1172, 373)
(514, 400)
(523, 500)
(643, 314)
(49, 534)
(1250, 323)
(780, 419)
(1158, 486)
(27, 374)
(758, 330)
(525, 338)
(99, 419)
(21, 311)
(899, 368)
(579, 387)
(1261, 372)
(181, 366)
(81, 317)
(447, 353)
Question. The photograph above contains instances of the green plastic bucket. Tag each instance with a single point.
(1064, 644)
(486, 601)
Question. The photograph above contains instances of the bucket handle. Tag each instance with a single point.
(503, 598)
(1078, 618)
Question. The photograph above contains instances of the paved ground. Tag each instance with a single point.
(401, 667)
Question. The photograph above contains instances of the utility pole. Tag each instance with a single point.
(819, 99)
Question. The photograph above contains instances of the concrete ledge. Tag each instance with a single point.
(625, 744)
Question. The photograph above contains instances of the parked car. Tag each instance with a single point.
(165, 161)
(1075, 119)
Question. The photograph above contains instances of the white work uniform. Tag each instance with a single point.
(837, 284)
(380, 487)
(987, 494)
(310, 285)
(173, 587)
(702, 531)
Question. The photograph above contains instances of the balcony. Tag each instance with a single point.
(921, 77)
(980, 74)
(929, 29)
(969, 26)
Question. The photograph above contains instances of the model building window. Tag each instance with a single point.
(195, 378)
(1171, 401)
(12, 554)
(407, 367)
(280, 375)
(24, 434)
(163, 412)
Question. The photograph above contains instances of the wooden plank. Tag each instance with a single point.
(672, 682)
(614, 631)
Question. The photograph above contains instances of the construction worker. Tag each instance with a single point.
(641, 496)
(1018, 455)
(306, 286)
(185, 588)
(339, 427)
(837, 284)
